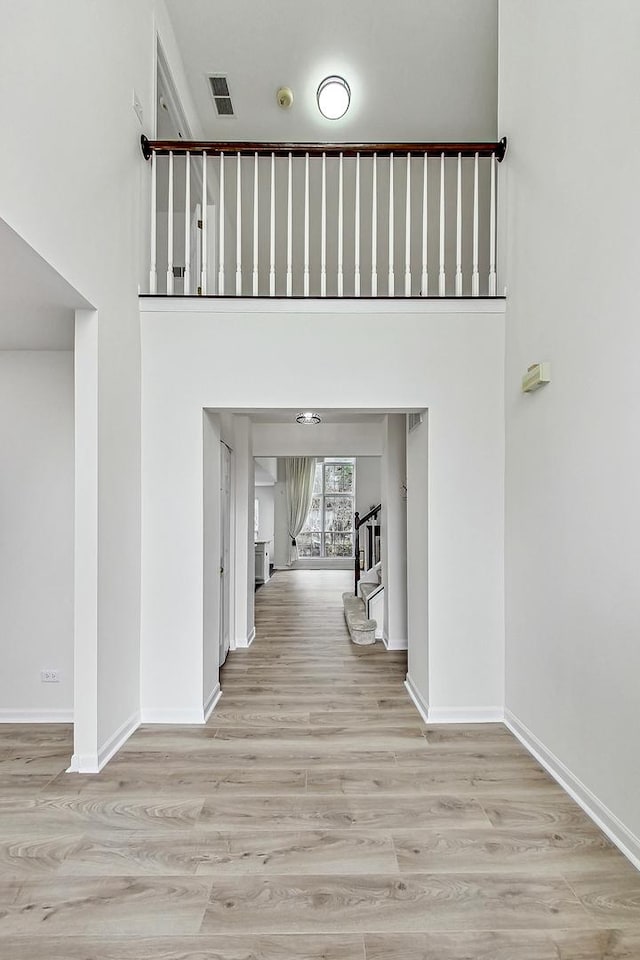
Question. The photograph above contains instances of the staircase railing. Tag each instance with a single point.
(323, 219)
(358, 523)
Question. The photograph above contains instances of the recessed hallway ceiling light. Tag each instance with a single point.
(333, 97)
(308, 417)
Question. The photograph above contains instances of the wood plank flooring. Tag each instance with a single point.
(315, 817)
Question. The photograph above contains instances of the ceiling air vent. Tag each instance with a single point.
(221, 96)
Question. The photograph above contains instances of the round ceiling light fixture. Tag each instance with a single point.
(334, 97)
(308, 417)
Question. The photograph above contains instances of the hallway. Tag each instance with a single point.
(314, 817)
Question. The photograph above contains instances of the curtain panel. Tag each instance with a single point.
(299, 474)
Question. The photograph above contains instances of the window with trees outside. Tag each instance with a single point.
(328, 531)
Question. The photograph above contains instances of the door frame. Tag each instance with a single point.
(226, 596)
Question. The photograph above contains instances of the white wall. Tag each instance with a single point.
(281, 524)
(36, 534)
(321, 440)
(368, 489)
(265, 495)
(430, 356)
(569, 71)
(244, 531)
(212, 479)
(73, 66)
(44, 95)
(393, 521)
(266, 469)
(418, 580)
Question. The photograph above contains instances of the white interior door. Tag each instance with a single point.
(225, 551)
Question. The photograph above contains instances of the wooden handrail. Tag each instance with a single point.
(250, 148)
(372, 513)
(357, 523)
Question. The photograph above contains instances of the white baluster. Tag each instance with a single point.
(323, 230)
(272, 230)
(306, 225)
(238, 225)
(289, 228)
(170, 227)
(492, 231)
(204, 270)
(459, 229)
(424, 279)
(356, 232)
(374, 228)
(186, 287)
(256, 203)
(391, 289)
(153, 271)
(475, 276)
(220, 229)
(340, 226)
(442, 279)
(407, 232)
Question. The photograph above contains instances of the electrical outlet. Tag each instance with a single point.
(50, 676)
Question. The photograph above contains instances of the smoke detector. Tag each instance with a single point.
(284, 96)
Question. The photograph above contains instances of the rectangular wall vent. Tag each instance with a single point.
(219, 87)
(415, 419)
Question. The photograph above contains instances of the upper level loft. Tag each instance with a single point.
(401, 220)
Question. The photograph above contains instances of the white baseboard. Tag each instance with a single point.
(117, 739)
(466, 715)
(36, 716)
(211, 701)
(243, 644)
(185, 715)
(84, 763)
(402, 644)
(95, 762)
(626, 841)
(421, 705)
(452, 714)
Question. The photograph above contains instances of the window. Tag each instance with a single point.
(328, 531)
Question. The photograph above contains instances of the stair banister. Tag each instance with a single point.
(336, 185)
(358, 522)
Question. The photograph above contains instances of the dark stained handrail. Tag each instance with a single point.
(372, 513)
(249, 148)
(358, 522)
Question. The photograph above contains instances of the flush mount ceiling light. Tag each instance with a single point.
(333, 97)
(308, 417)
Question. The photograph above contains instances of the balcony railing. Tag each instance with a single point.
(316, 220)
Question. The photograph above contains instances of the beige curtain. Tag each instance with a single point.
(299, 473)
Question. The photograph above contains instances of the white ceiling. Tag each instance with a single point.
(418, 69)
(36, 305)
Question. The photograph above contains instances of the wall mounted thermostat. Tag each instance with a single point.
(536, 376)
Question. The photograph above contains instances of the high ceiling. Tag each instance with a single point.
(418, 69)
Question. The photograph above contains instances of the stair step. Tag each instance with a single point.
(361, 630)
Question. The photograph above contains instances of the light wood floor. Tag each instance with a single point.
(315, 817)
